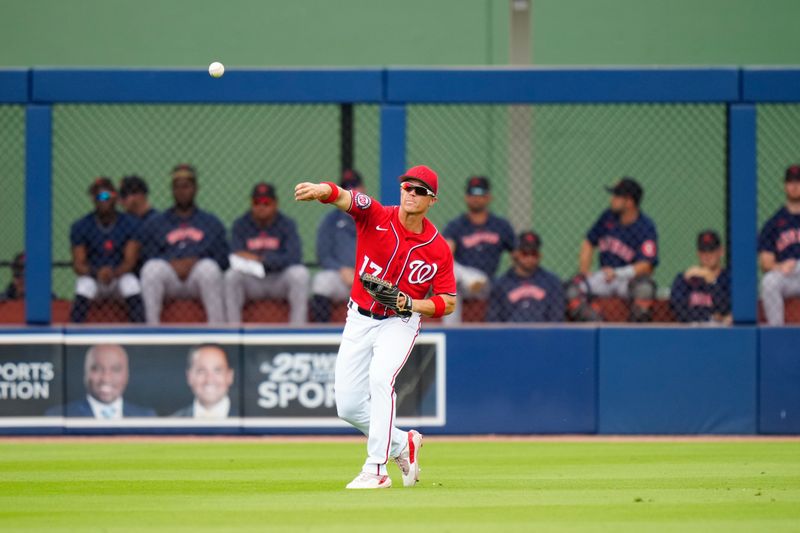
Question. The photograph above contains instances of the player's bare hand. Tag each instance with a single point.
(788, 266)
(609, 273)
(183, 266)
(248, 255)
(401, 301)
(306, 192)
(347, 274)
(699, 272)
(105, 275)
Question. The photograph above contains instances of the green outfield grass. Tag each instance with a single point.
(466, 486)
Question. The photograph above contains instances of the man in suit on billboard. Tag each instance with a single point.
(210, 376)
(105, 377)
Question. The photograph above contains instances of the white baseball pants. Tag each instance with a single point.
(600, 287)
(371, 355)
(126, 285)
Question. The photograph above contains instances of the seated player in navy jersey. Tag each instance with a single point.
(702, 293)
(628, 245)
(105, 250)
(527, 292)
(133, 195)
(185, 252)
(779, 251)
(477, 239)
(266, 239)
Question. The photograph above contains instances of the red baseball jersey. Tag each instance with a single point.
(416, 262)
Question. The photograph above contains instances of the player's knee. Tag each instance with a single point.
(208, 271)
(129, 285)
(348, 405)
(642, 288)
(232, 276)
(298, 274)
(86, 286)
(152, 270)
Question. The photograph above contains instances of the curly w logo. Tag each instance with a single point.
(421, 272)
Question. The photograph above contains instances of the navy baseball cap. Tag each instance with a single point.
(131, 185)
(529, 241)
(792, 173)
(708, 241)
(351, 179)
(628, 188)
(263, 193)
(478, 186)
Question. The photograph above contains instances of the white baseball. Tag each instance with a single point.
(216, 69)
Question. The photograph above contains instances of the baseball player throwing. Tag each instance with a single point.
(400, 259)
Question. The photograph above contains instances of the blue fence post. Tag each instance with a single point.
(742, 205)
(38, 213)
(393, 151)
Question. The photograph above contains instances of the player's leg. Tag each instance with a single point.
(326, 287)
(472, 283)
(772, 297)
(158, 280)
(235, 295)
(205, 280)
(130, 289)
(351, 377)
(642, 293)
(293, 284)
(85, 292)
(391, 350)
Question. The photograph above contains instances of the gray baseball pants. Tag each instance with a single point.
(292, 283)
(204, 281)
(775, 286)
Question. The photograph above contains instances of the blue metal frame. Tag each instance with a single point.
(545, 86)
(393, 153)
(194, 86)
(14, 87)
(742, 209)
(38, 212)
(771, 85)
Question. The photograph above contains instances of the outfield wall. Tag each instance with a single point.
(505, 380)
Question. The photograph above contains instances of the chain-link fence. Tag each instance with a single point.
(12, 213)
(547, 167)
(232, 148)
(778, 134)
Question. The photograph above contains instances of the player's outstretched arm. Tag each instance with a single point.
(327, 193)
(428, 307)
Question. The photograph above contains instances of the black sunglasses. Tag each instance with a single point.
(417, 189)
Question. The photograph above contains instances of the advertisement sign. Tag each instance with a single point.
(31, 377)
(289, 381)
(180, 380)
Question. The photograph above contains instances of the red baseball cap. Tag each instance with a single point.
(424, 174)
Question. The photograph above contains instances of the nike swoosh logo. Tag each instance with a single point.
(379, 228)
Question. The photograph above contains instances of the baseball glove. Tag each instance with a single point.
(386, 294)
